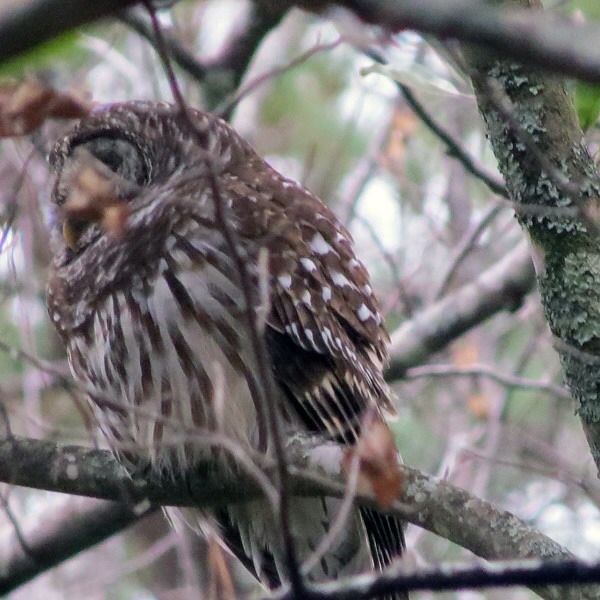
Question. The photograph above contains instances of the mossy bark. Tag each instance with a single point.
(566, 250)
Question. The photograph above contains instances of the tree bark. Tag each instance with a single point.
(559, 174)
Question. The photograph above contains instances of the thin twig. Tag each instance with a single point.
(465, 248)
(510, 381)
(16, 527)
(228, 105)
(454, 148)
(135, 19)
(549, 471)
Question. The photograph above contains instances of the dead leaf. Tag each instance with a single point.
(379, 465)
(464, 354)
(404, 122)
(403, 126)
(96, 195)
(25, 105)
(221, 584)
(478, 406)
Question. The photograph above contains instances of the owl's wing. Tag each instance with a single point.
(325, 332)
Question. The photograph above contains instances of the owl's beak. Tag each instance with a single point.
(72, 230)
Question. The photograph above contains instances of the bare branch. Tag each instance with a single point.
(465, 248)
(315, 470)
(502, 287)
(510, 381)
(452, 577)
(69, 526)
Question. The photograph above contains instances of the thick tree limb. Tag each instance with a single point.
(66, 527)
(540, 150)
(558, 45)
(426, 501)
(553, 43)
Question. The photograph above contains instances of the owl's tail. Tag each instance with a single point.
(368, 540)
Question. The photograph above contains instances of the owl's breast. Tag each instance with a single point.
(167, 362)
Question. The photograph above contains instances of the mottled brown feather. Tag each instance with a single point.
(157, 306)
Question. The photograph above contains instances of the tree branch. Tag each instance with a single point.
(453, 577)
(502, 287)
(68, 526)
(453, 147)
(314, 471)
(522, 108)
(556, 44)
(221, 75)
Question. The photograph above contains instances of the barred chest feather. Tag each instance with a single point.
(171, 352)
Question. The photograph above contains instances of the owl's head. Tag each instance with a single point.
(119, 152)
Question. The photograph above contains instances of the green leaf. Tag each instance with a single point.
(587, 103)
(50, 54)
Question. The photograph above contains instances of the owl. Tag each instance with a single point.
(152, 316)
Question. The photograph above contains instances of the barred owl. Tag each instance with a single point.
(152, 316)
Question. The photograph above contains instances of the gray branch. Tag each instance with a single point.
(559, 45)
(315, 470)
(502, 287)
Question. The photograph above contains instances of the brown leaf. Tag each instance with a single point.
(221, 584)
(96, 195)
(25, 105)
(464, 354)
(403, 126)
(478, 406)
(379, 465)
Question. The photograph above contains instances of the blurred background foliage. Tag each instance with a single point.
(353, 140)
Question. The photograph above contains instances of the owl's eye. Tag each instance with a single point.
(119, 155)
